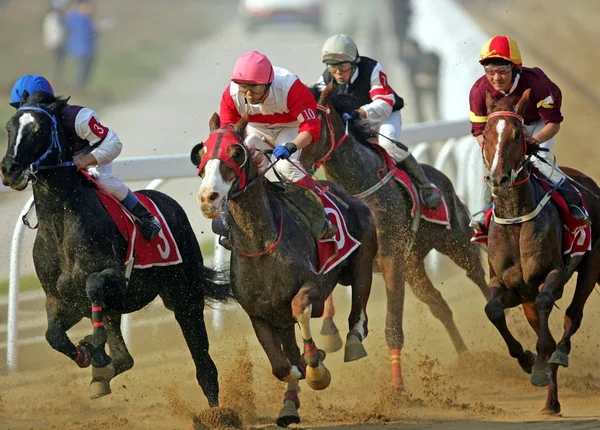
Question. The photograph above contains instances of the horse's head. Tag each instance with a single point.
(504, 145)
(33, 139)
(223, 163)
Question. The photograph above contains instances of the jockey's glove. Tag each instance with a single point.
(283, 152)
(351, 116)
(533, 145)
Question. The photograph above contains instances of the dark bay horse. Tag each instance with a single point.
(360, 170)
(79, 255)
(526, 258)
(273, 266)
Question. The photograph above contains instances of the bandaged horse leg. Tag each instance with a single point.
(291, 402)
(330, 335)
(317, 375)
(98, 287)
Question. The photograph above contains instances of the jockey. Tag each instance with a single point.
(281, 113)
(377, 105)
(94, 146)
(505, 76)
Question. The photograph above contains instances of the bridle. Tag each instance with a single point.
(514, 173)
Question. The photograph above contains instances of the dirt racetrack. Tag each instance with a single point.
(483, 390)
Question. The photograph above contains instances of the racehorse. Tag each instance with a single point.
(525, 250)
(79, 255)
(363, 172)
(274, 261)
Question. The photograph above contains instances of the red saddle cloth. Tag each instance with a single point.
(437, 216)
(334, 250)
(577, 237)
(162, 251)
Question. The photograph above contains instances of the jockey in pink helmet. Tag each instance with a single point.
(281, 113)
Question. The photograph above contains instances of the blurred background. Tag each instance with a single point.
(154, 70)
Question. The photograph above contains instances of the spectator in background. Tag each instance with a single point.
(402, 13)
(81, 44)
(54, 34)
(424, 75)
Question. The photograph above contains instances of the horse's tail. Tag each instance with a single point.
(215, 285)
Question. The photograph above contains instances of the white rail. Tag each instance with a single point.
(458, 158)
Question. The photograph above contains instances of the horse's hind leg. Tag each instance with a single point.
(425, 291)
(122, 359)
(191, 320)
(500, 299)
(330, 335)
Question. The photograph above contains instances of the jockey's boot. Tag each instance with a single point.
(149, 225)
(328, 230)
(220, 226)
(430, 196)
(479, 224)
(574, 203)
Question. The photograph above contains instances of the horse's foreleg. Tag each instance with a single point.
(190, 317)
(271, 343)
(392, 267)
(122, 359)
(317, 375)
(550, 291)
(291, 402)
(330, 335)
(425, 291)
(59, 322)
(500, 299)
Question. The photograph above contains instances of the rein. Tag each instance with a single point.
(270, 248)
(335, 145)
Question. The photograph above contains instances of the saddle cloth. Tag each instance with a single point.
(437, 216)
(162, 251)
(577, 237)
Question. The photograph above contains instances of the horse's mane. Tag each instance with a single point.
(506, 103)
(344, 103)
(43, 98)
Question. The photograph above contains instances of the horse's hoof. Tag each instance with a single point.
(99, 389)
(540, 378)
(527, 362)
(550, 412)
(354, 350)
(288, 414)
(318, 378)
(100, 385)
(559, 358)
(330, 339)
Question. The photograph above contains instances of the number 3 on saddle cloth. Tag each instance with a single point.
(577, 238)
(162, 251)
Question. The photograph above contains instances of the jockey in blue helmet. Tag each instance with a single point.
(94, 146)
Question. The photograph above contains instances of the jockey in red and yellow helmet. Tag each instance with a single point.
(505, 76)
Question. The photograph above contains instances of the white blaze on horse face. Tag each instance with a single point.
(212, 182)
(499, 129)
(24, 119)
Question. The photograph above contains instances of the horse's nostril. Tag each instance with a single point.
(504, 180)
(213, 196)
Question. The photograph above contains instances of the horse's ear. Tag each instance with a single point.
(197, 153)
(58, 105)
(24, 98)
(522, 104)
(240, 126)
(490, 103)
(215, 122)
(326, 94)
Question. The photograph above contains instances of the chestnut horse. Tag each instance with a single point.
(526, 257)
(274, 262)
(361, 170)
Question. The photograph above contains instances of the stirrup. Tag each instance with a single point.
(580, 215)
(329, 230)
(477, 225)
(225, 243)
(431, 197)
